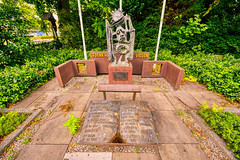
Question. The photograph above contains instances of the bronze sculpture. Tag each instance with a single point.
(120, 38)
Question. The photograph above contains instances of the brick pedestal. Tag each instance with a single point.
(120, 74)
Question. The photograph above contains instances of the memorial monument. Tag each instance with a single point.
(117, 39)
(120, 43)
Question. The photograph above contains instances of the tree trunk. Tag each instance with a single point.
(63, 11)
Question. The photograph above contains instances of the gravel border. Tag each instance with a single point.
(220, 143)
(9, 140)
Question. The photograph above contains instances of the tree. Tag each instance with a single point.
(13, 30)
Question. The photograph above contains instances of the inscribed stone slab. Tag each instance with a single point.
(130, 120)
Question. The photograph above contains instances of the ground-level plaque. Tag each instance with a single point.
(118, 121)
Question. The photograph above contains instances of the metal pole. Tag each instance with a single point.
(120, 5)
(82, 31)
(160, 28)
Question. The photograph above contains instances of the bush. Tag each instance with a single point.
(225, 124)
(219, 73)
(19, 81)
(9, 122)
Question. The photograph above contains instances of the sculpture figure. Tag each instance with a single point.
(120, 38)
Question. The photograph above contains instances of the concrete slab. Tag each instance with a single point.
(40, 152)
(181, 152)
(88, 156)
(47, 101)
(208, 97)
(177, 104)
(53, 131)
(153, 95)
(121, 96)
(136, 156)
(187, 99)
(86, 87)
(149, 88)
(50, 86)
(171, 129)
(78, 101)
(157, 101)
(160, 105)
(193, 87)
(99, 96)
(28, 100)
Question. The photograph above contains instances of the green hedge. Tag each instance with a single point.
(219, 73)
(225, 124)
(19, 81)
(9, 122)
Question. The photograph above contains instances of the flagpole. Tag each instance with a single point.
(160, 28)
(82, 31)
(120, 5)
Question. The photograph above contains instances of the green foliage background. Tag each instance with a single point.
(225, 124)
(193, 32)
(10, 121)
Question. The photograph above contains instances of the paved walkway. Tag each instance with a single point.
(175, 140)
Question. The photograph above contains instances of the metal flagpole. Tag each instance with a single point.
(82, 31)
(120, 5)
(160, 28)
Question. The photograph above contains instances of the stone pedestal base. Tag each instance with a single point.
(120, 74)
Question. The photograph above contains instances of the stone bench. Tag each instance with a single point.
(119, 88)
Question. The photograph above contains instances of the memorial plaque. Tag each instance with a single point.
(129, 120)
(100, 122)
(136, 123)
(120, 76)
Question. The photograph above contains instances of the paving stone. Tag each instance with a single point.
(207, 96)
(47, 101)
(28, 100)
(181, 152)
(148, 88)
(88, 156)
(187, 99)
(153, 96)
(99, 96)
(86, 87)
(177, 104)
(136, 156)
(171, 129)
(193, 87)
(40, 152)
(53, 131)
(50, 86)
(77, 100)
(121, 96)
(157, 101)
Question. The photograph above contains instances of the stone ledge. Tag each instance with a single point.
(220, 143)
(8, 141)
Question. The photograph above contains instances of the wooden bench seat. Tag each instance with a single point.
(119, 88)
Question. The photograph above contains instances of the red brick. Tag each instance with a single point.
(127, 69)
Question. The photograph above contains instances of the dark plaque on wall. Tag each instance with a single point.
(120, 76)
